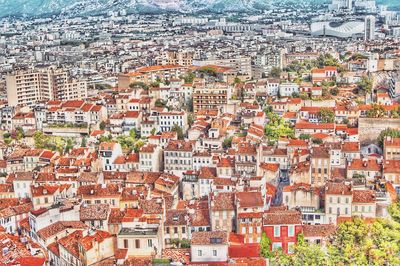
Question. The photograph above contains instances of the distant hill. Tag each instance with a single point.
(81, 7)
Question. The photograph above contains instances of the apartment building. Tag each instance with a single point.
(211, 97)
(178, 157)
(32, 86)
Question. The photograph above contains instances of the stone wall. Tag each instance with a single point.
(370, 128)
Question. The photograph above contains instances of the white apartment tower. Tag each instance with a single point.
(31, 86)
(369, 28)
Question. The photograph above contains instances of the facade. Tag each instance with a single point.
(31, 87)
(209, 246)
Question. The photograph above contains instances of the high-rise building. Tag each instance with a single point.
(31, 86)
(341, 4)
(369, 28)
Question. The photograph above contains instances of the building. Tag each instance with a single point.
(210, 98)
(338, 201)
(32, 86)
(369, 31)
(282, 227)
(209, 246)
(391, 148)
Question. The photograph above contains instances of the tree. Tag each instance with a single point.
(208, 71)
(227, 143)
(317, 141)
(275, 72)
(159, 103)
(364, 86)
(189, 105)
(265, 246)
(237, 80)
(69, 145)
(326, 115)
(277, 128)
(138, 145)
(84, 142)
(326, 60)
(138, 85)
(189, 77)
(20, 134)
(304, 136)
(295, 95)
(102, 125)
(178, 130)
(377, 111)
(334, 91)
(389, 132)
(190, 119)
(153, 131)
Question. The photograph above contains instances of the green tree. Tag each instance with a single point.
(138, 85)
(364, 86)
(84, 142)
(326, 115)
(102, 125)
(189, 77)
(377, 111)
(304, 136)
(317, 141)
(334, 91)
(227, 143)
(237, 80)
(265, 246)
(275, 72)
(20, 134)
(389, 132)
(190, 119)
(277, 128)
(138, 144)
(178, 130)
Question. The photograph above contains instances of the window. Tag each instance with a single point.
(200, 253)
(137, 243)
(149, 243)
(277, 231)
(167, 230)
(276, 245)
(338, 200)
(243, 230)
(214, 253)
(183, 230)
(175, 230)
(126, 243)
(250, 230)
(330, 199)
(290, 247)
(291, 230)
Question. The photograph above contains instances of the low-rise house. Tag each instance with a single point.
(176, 227)
(95, 247)
(282, 227)
(249, 208)
(391, 148)
(318, 234)
(222, 211)
(338, 201)
(95, 215)
(364, 168)
(364, 203)
(209, 246)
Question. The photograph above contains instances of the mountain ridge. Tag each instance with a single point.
(84, 7)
